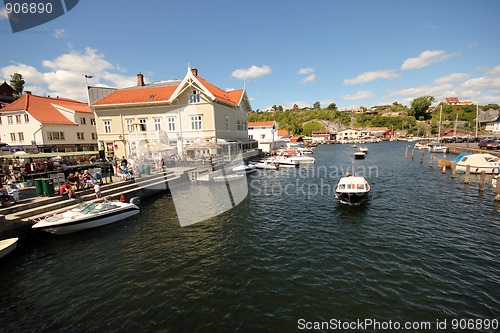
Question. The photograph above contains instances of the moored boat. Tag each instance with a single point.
(352, 190)
(479, 162)
(437, 148)
(359, 155)
(301, 159)
(85, 216)
(284, 162)
(441, 163)
(267, 164)
(244, 168)
(7, 246)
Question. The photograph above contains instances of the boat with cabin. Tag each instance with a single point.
(479, 162)
(244, 168)
(359, 155)
(352, 190)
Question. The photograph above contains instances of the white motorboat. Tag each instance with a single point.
(85, 216)
(284, 162)
(244, 168)
(7, 246)
(359, 155)
(352, 190)
(363, 149)
(267, 164)
(421, 145)
(479, 162)
(437, 148)
(304, 150)
(301, 159)
(494, 182)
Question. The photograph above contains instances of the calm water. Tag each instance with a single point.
(425, 248)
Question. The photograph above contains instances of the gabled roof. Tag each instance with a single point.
(283, 132)
(44, 109)
(261, 123)
(167, 91)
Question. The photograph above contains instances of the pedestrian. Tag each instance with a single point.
(67, 188)
(97, 190)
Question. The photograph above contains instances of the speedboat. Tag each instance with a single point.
(359, 155)
(352, 190)
(450, 163)
(7, 246)
(284, 162)
(421, 145)
(363, 149)
(301, 159)
(437, 148)
(494, 182)
(85, 216)
(267, 164)
(479, 162)
(244, 168)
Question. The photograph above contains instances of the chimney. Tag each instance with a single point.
(27, 92)
(140, 80)
(194, 71)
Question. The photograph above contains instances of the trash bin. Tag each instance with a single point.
(48, 186)
(38, 186)
(147, 169)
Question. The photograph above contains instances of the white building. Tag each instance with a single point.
(493, 126)
(266, 133)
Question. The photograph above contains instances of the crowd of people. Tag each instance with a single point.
(79, 181)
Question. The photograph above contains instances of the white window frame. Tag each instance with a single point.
(157, 123)
(196, 122)
(107, 125)
(171, 124)
(129, 122)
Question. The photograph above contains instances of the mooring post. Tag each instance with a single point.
(430, 161)
(453, 169)
(413, 153)
(497, 189)
(444, 164)
(467, 174)
(406, 153)
(481, 181)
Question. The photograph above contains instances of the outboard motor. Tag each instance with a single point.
(135, 200)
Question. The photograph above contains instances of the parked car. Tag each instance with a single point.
(489, 144)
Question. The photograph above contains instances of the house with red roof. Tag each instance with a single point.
(6, 94)
(45, 124)
(186, 114)
(267, 134)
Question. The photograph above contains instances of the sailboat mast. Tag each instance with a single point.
(455, 129)
(440, 117)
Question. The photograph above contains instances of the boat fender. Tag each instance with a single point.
(135, 200)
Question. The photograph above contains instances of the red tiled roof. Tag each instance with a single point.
(138, 95)
(283, 132)
(261, 123)
(43, 108)
(232, 97)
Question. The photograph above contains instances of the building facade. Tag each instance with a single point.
(185, 116)
(44, 124)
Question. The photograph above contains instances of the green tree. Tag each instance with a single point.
(311, 126)
(420, 106)
(17, 82)
(317, 105)
(332, 106)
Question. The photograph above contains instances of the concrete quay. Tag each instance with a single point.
(16, 220)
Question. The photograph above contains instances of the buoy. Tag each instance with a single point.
(122, 197)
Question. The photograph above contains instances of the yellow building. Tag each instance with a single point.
(182, 116)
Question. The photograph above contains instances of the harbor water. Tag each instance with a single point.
(288, 258)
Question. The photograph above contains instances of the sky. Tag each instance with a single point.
(352, 53)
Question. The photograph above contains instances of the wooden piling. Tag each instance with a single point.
(453, 169)
(406, 153)
(497, 189)
(467, 174)
(431, 160)
(413, 153)
(444, 164)
(481, 181)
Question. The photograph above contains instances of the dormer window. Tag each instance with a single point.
(194, 97)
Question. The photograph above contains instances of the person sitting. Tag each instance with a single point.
(87, 179)
(74, 181)
(68, 189)
(13, 191)
(123, 171)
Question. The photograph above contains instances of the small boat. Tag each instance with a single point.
(267, 164)
(244, 168)
(359, 155)
(479, 162)
(363, 149)
(7, 246)
(85, 216)
(354, 146)
(437, 148)
(420, 145)
(304, 150)
(352, 190)
(301, 159)
(284, 162)
(449, 163)
(494, 182)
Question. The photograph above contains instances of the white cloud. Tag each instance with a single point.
(455, 77)
(425, 59)
(289, 105)
(309, 78)
(230, 89)
(305, 70)
(3, 14)
(252, 72)
(359, 96)
(388, 74)
(63, 76)
(59, 33)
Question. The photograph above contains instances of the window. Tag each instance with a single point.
(94, 136)
(10, 120)
(143, 124)
(194, 97)
(262, 136)
(18, 118)
(80, 136)
(20, 136)
(227, 122)
(55, 136)
(12, 136)
(107, 126)
(196, 122)
(92, 121)
(157, 124)
(82, 121)
(0, 120)
(129, 123)
(172, 143)
(171, 124)
(26, 118)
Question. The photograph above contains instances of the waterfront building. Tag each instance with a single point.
(188, 114)
(45, 124)
(266, 134)
(320, 136)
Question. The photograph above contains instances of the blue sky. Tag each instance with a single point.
(352, 53)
